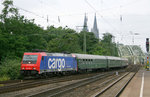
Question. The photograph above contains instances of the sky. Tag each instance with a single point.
(132, 30)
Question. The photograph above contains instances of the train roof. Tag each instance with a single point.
(35, 53)
(59, 54)
(116, 58)
(79, 56)
(113, 58)
(124, 59)
(88, 56)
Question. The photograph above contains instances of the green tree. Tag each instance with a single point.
(17, 33)
(8, 10)
(65, 43)
(108, 45)
(91, 41)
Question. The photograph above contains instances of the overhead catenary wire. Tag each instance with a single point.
(125, 5)
(35, 14)
(90, 5)
(68, 14)
(112, 26)
(119, 33)
(102, 17)
(72, 14)
(46, 18)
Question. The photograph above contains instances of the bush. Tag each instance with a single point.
(10, 69)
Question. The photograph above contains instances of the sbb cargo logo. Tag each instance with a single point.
(56, 63)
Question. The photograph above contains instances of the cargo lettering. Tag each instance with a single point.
(56, 63)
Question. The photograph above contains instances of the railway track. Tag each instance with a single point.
(11, 86)
(9, 82)
(14, 82)
(115, 89)
(63, 89)
(56, 92)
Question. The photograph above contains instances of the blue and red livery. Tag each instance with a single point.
(41, 63)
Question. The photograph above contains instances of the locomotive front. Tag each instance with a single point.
(30, 64)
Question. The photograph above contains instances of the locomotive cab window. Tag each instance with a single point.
(30, 59)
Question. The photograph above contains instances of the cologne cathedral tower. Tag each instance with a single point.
(85, 27)
(95, 29)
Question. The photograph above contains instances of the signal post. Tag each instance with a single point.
(147, 58)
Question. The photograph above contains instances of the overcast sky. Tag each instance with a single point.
(135, 16)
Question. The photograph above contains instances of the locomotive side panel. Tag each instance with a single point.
(58, 64)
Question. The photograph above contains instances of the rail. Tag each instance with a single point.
(101, 93)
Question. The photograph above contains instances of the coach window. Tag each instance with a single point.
(83, 61)
(88, 60)
(91, 61)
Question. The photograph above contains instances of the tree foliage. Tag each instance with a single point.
(19, 35)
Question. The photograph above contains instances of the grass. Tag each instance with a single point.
(1, 85)
(4, 78)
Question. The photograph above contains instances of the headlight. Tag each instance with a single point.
(34, 68)
(23, 68)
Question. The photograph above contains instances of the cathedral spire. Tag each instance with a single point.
(95, 29)
(85, 27)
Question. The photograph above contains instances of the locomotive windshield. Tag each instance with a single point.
(30, 59)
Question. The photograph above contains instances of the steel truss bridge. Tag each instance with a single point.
(133, 53)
